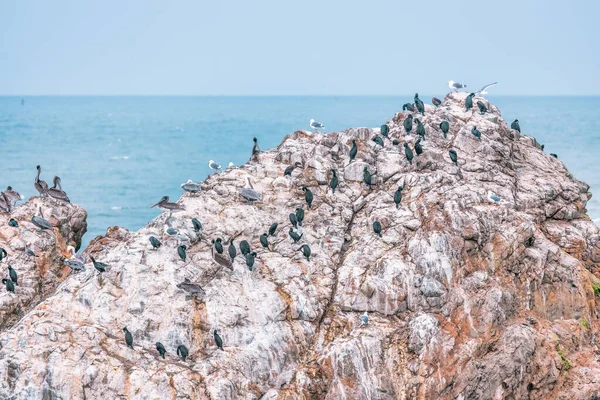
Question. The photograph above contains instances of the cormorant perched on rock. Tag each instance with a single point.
(408, 152)
(378, 140)
(128, 338)
(333, 184)
(395, 142)
(353, 150)
(10, 286)
(3, 254)
(420, 128)
(218, 340)
(273, 228)
(482, 107)
(197, 225)
(250, 260)
(436, 102)
(453, 157)
(264, 241)
(308, 196)
(244, 247)
(445, 127)
(377, 228)
(476, 132)
(13, 222)
(398, 196)
(419, 104)
(299, 216)
(385, 131)
(418, 147)
(161, 349)
(408, 123)
(100, 266)
(295, 237)
(515, 125)
(367, 176)
(305, 251)
(293, 220)
(469, 101)
(290, 168)
(554, 155)
(218, 243)
(231, 249)
(13, 275)
(181, 251)
(182, 351)
(255, 148)
(542, 147)
(408, 106)
(154, 242)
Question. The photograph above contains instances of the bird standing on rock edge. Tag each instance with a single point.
(453, 157)
(408, 123)
(218, 340)
(353, 150)
(128, 338)
(515, 125)
(333, 184)
(469, 101)
(161, 349)
(398, 196)
(408, 152)
(445, 127)
(308, 196)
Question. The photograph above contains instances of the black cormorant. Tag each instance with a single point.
(469, 101)
(218, 340)
(182, 351)
(10, 286)
(408, 106)
(408, 152)
(445, 127)
(378, 140)
(476, 132)
(218, 243)
(418, 147)
(353, 150)
(264, 241)
(244, 247)
(197, 225)
(128, 338)
(367, 176)
(295, 237)
(232, 251)
(154, 242)
(385, 130)
(13, 275)
(250, 260)
(308, 196)
(377, 228)
(408, 123)
(398, 196)
(273, 228)
(100, 266)
(453, 157)
(294, 219)
(482, 107)
(333, 184)
(299, 215)
(181, 251)
(515, 125)
(306, 251)
(13, 222)
(161, 349)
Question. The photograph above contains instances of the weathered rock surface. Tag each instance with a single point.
(39, 275)
(467, 298)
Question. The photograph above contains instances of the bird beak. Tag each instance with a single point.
(154, 205)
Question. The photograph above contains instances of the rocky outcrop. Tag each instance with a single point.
(467, 298)
(40, 269)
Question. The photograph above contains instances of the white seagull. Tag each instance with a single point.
(316, 125)
(231, 165)
(455, 85)
(214, 166)
(364, 319)
(484, 89)
(191, 187)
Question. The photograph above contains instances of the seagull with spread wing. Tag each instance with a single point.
(484, 89)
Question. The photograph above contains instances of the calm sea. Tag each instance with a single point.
(118, 155)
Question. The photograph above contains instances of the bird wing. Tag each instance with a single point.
(483, 89)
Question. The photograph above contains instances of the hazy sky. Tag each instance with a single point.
(246, 47)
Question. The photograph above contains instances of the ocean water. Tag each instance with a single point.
(119, 155)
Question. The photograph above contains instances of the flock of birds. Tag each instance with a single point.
(76, 262)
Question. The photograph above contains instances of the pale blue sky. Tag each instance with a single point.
(326, 47)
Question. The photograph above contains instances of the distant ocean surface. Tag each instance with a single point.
(118, 155)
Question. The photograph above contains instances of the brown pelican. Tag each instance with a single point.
(12, 195)
(192, 288)
(191, 187)
(41, 222)
(56, 192)
(249, 193)
(165, 205)
(40, 186)
(4, 203)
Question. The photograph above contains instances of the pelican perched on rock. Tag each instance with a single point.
(56, 192)
(165, 205)
(76, 262)
(315, 125)
(4, 203)
(40, 186)
(455, 85)
(248, 192)
(41, 222)
(190, 287)
(214, 166)
(191, 187)
(12, 195)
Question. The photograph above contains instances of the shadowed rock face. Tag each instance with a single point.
(40, 275)
(467, 298)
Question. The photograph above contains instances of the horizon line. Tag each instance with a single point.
(280, 95)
